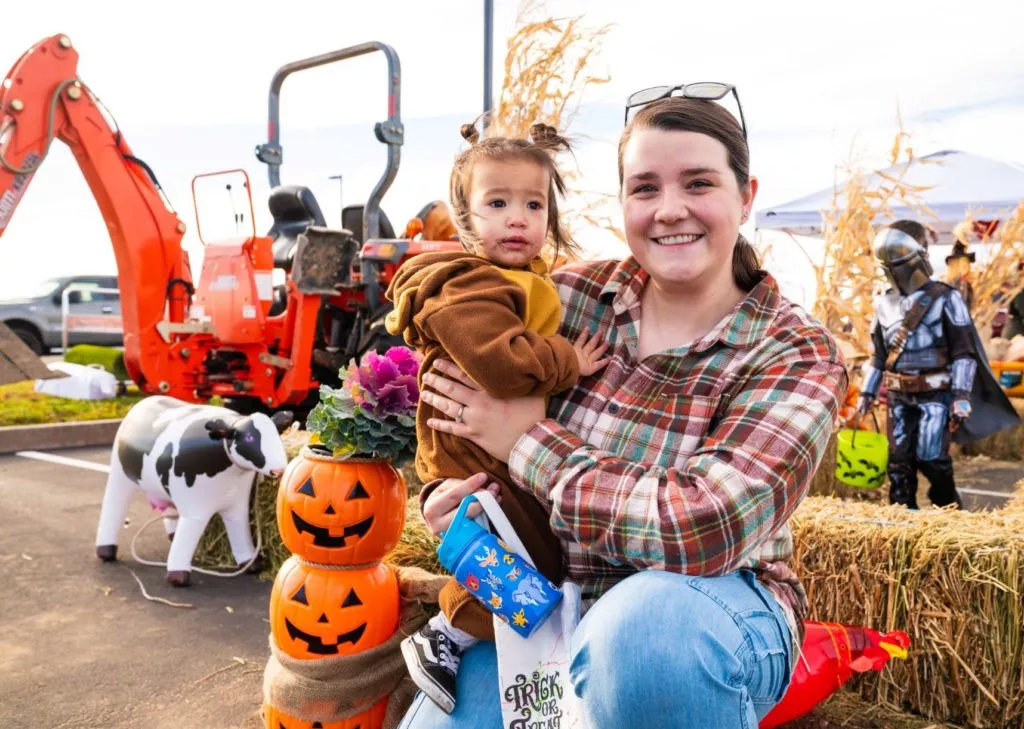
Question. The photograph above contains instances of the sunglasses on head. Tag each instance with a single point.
(704, 90)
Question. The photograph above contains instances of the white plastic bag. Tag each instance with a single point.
(84, 382)
(533, 673)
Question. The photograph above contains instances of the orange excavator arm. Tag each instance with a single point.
(42, 99)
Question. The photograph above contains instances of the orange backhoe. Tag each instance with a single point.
(233, 333)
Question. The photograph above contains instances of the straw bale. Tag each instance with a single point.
(953, 580)
(825, 482)
(418, 547)
(214, 550)
(1006, 445)
(847, 710)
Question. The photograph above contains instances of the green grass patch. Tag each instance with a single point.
(20, 404)
(109, 358)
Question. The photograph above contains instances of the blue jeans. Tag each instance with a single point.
(657, 650)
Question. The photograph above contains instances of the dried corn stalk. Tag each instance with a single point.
(998, 280)
(547, 69)
(548, 66)
(849, 277)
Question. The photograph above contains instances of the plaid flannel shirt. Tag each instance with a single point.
(693, 460)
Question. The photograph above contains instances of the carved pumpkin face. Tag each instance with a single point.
(318, 613)
(335, 512)
(372, 719)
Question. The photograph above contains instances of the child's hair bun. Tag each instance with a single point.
(547, 137)
(542, 132)
(469, 133)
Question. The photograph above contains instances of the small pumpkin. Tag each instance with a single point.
(339, 512)
(320, 613)
(372, 719)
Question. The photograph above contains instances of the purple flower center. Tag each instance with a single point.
(386, 384)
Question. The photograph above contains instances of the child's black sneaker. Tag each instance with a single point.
(433, 661)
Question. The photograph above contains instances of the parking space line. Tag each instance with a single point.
(982, 492)
(65, 461)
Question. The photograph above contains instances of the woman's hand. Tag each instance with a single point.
(494, 425)
(442, 503)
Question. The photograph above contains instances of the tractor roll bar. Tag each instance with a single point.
(389, 132)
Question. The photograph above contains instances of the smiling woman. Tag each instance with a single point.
(670, 475)
(681, 219)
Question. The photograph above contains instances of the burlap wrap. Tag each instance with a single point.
(336, 689)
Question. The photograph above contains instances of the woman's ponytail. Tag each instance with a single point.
(746, 264)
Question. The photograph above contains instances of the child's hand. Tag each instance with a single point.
(589, 351)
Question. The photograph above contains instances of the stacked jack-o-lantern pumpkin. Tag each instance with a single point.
(334, 597)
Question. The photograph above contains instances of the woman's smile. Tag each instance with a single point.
(677, 239)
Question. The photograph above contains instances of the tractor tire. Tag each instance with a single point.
(246, 405)
(380, 340)
(28, 334)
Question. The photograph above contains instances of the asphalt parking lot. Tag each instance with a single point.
(80, 646)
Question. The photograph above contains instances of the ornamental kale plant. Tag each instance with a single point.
(373, 411)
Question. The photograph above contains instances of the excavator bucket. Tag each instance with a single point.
(19, 363)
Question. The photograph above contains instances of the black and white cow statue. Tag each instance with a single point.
(200, 459)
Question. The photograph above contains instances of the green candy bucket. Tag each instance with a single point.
(862, 457)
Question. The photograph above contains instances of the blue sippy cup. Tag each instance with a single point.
(503, 581)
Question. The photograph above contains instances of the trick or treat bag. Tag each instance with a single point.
(532, 630)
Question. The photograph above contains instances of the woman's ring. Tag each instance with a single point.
(458, 415)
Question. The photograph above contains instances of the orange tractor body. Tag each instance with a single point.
(233, 333)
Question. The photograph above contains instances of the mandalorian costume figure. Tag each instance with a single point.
(939, 385)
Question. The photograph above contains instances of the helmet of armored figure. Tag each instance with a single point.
(902, 250)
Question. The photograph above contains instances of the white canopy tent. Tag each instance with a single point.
(959, 183)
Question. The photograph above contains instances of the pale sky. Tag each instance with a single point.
(188, 87)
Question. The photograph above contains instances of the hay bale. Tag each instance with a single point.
(847, 710)
(214, 550)
(953, 580)
(418, 547)
(825, 483)
(1006, 445)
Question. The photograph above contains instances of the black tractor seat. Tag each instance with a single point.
(352, 220)
(294, 209)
